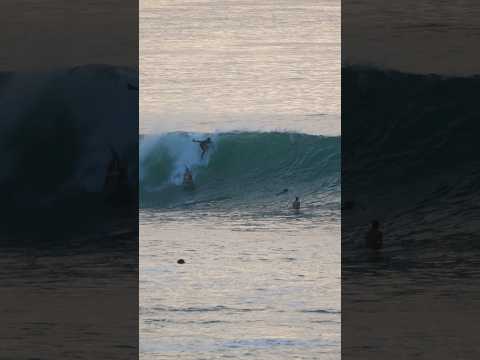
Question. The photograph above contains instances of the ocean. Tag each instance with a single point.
(240, 65)
(262, 80)
(410, 161)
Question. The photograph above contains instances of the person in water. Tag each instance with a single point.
(296, 203)
(112, 178)
(116, 178)
(187, 176)
(204, 145)
(374, 237)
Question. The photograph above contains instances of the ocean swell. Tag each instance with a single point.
(409, 153)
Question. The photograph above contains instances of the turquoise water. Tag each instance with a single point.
(242, 169)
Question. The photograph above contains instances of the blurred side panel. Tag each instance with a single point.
(69, 179)
(410, 189)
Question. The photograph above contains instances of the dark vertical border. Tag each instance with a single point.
(69, 179)
(410, 161)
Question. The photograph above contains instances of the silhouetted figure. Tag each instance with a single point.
(296, 204)
(180, 261)
(116, 179)
(204, 145)
(112, 178)
(374, 237)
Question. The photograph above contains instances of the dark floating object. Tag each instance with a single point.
(180, 261)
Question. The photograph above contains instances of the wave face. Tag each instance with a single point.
(240, 168)
(57, 135)
(410, 152)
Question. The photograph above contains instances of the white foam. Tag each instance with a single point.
(181, 148)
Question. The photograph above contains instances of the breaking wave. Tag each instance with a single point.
(240, 167)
